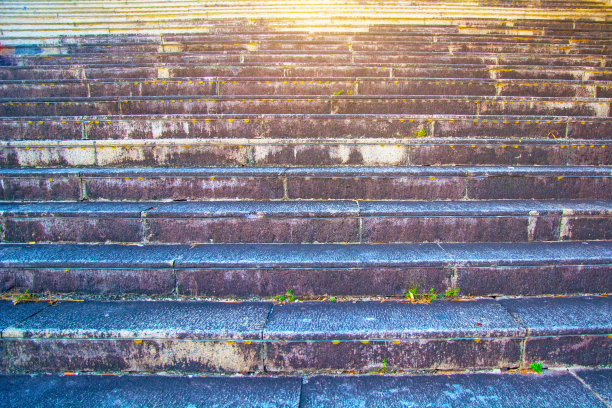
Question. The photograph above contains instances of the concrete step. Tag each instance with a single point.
(411, 150)
(287, 57)
(588, 47)
(153, 72)
(307, 337)
(36, 109)
(303, 86)
(135, 129)
(276, 183)
(597, 35)
(582, 387)
(306, 221)
(247, 270)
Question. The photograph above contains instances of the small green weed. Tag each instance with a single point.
(340, 92)
(419, 133)
(25, 297)
(451, 293)
(332, 299)
(536, 367)
(384, 366)
(288, 297)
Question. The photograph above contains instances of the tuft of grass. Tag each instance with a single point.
(288, 297)
(340, 92)
(451, 293)
(422, 133)
(536, 368)
(25, 297)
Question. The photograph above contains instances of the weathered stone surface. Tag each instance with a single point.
(562, 316)
(150, 391)
(445, 229)
(307, 281)
(13, 314)
(40, 185)
(93, 281)
(480, 153)
(500, 127)
(560, 187)
(389, 321)
(583, 350)
(80, 230)
(534, 280)
(133, 355)
(599, 381)
(474, 390)
(193, 320)
(35, 130)
(446, 354)
(313, 154)
(256, 228)
(378, 187)
(183, 188)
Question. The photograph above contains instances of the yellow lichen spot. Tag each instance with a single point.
(127, 179)
(476, 340)
(503, 146)
(515, 146)
(451, 146)
(230, 342)
(432, 178)
(603, 146)
(247, 342)
(66, 270)
(193, 121)
(562, 146)
(365, 341)
(230, 120)
(187, 147)
(246, 121)
(50, 179)
(137, 341)
(211, 178)
(335, 342)
(560, 177)
(401, 120)
(395, 341)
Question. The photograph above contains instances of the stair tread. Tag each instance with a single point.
(255, 256)
(315, 321)
(479, 390)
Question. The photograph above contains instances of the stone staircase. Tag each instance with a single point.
(308, 194)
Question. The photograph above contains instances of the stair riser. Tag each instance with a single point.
(61, 188)
(307, 86)
(304, 154)
(116, 355)
(375, 229)
(150, 355)
(349, 281)
(397, 128)
(319, 105)
(237, 58)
